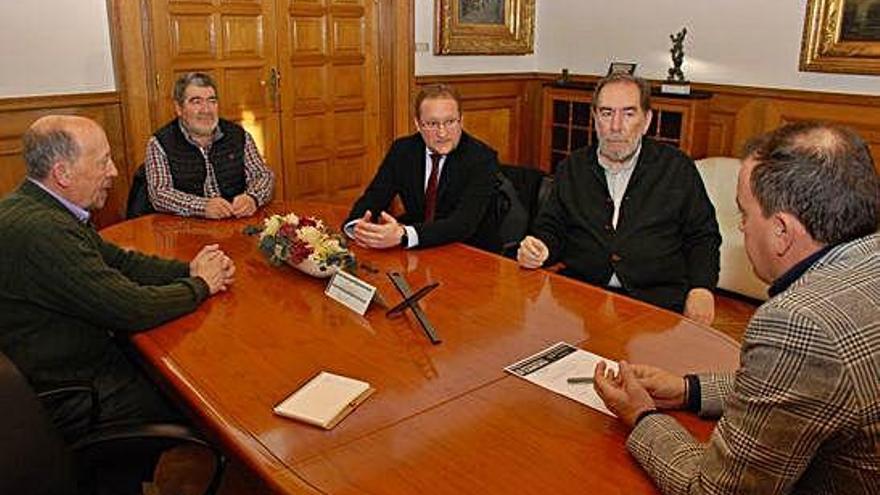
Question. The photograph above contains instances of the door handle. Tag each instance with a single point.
(274, 87)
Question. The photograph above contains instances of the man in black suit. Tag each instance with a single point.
(444, 177)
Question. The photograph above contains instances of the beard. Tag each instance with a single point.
(618, 150)
(202, 127)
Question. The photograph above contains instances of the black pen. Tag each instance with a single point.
(580, 379)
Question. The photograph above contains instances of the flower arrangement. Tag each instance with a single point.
(303, 242)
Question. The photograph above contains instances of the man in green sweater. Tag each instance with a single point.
(66, 295)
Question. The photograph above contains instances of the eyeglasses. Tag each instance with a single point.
(434, 125)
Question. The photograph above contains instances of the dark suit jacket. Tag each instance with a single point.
(464, 192)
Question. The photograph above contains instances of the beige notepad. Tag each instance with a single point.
(324, 400)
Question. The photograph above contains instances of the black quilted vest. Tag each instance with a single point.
(188, 165)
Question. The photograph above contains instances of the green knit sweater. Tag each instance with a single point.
(64, 291)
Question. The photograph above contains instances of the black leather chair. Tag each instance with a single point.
(138, 199)
(532, 185)
(34, 458)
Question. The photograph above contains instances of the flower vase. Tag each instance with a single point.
(309, 267)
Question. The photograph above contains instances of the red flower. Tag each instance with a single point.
(299, 250)
(288, 231)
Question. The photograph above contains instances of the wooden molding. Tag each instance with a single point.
(47, 102)
(403, 83)
(127, 21)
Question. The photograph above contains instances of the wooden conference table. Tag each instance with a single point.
(445, 419)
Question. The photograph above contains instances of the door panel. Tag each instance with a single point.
(330, 96)
(326, 99)
(234, 42)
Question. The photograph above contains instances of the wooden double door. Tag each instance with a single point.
(300, 75)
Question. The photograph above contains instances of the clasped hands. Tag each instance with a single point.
(241, 206)
(214, 267)
(384, 234)
(636, 388)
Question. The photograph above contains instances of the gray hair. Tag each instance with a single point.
(199, 79)
(44, 147)
(821, 173)
(623, 77)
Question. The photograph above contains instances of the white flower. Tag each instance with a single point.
(311, 235)
(271, 225)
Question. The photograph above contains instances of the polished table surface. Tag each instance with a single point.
(445, 418)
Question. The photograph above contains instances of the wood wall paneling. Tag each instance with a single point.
(330, 108)
(17, 114)
(235, 43)
(739, 113)
(499, 110)
(735, 113)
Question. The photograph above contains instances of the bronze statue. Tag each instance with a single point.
(677, 51)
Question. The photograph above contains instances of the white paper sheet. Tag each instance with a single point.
(552, 367)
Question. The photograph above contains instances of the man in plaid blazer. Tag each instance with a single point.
(802, 413)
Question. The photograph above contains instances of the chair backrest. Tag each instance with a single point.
(33, 457)
(720, 175)
(138, 199)
(532, 185)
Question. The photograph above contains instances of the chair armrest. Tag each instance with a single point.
(162, 432)
(75, 387)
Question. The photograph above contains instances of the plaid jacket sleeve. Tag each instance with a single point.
(714, 388)
(160, 186)
(260, 179)
(790, 395)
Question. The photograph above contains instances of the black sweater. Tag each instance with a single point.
(666, 241)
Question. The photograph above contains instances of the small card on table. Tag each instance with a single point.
(352, 292)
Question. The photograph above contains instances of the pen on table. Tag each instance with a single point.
(580, 379)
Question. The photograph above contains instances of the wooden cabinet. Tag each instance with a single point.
(567, 122)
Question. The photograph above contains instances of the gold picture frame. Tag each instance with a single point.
(484, 27)
(841, 36)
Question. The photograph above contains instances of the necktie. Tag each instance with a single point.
(431, 190)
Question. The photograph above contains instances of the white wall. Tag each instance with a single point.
(63, 46)
(54, 47)
(744, 42)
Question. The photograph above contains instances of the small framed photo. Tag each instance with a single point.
(621, 68)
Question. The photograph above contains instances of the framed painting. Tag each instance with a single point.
(621, 68)
(841, 36)
(484, 27)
